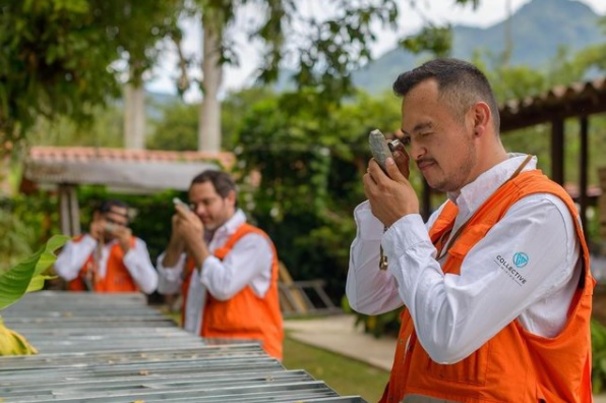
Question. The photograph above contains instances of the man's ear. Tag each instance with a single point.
(231, 198)
(481, 117)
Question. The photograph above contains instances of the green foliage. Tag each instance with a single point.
(15, 238)
(25, 223)
(105, 130)
(27, 275)
(598, 348)
(386, 324)
(12, 343)
(323, 51)
(517, 42)
(178, 127)
(310, 156)
(348, 377)
(47, 65)
(58, 56)
(439, 39)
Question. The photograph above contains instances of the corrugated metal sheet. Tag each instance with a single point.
(114, 348)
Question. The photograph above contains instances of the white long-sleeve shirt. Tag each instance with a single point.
(454, 315)
(249, 263)
(137, 261)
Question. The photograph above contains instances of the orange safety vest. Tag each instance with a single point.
(515, 365)
(117, 278)
(245, 315)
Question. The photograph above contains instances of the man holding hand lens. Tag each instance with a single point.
(109, 258)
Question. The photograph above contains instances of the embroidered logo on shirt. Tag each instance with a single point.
(520, 259)
(508, 267)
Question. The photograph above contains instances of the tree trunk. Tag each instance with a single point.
(134, 117)
(209, 126)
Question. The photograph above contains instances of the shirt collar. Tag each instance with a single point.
(232, 224)
(472, 195)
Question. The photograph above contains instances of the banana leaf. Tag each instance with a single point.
(12, 343)
(27, 275)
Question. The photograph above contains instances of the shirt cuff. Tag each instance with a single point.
(87, 242)
(403, 234)
(170, 274)
(369, 226)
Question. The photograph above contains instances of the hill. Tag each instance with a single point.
(537, 30)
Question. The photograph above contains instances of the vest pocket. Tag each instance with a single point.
(471, 370)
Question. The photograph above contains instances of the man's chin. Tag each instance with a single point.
(209, 226)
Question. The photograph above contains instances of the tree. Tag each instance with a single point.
(177, 129)
(310, 156)
(143, 27)
(51, 64)
(60, 58)
(325, 51)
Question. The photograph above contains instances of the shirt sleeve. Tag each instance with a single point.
(140, 267)
(369, 290)
(248, 263)
(170, 278)
(454, 315)
(72, 257)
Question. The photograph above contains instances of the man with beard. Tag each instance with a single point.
(496, 286)
(225, 268)
(108, 258)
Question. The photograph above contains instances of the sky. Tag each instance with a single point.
(438, 11)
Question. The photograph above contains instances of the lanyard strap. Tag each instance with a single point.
(444, 237)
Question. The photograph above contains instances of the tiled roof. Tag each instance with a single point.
(84, 154)
(577, 99)
(140, 170)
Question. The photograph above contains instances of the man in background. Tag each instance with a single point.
(225, 268)
(108, 258)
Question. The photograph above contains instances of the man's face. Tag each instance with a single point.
(440, 142)
(212, 209)
(116, 217)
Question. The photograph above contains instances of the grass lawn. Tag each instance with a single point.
(344, 375)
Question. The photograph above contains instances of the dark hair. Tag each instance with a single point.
(460, 83)
(107, 205)
(222, 181)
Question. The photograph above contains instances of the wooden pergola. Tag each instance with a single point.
(64, 169)
(578, 101)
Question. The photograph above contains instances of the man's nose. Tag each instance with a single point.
(199, 209)
(416, 150)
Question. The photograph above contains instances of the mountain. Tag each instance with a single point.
(538, 29)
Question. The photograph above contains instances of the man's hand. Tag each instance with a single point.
(191, 231)
(188, 226)
(391, 195)
(123, 235)
(97, 229)
(402, 159)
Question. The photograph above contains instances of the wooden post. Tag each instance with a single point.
(69, 212)
(557, 150)
(583, 164)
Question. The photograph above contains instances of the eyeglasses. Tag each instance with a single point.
(204, 202)
(114, 222)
